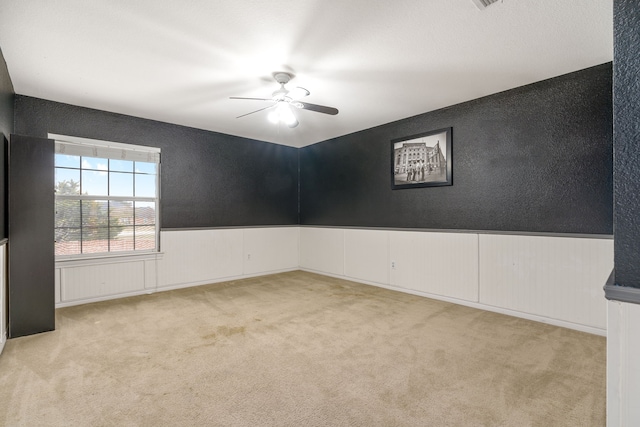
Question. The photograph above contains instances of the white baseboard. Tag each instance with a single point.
(167, 288)
(501, 310)
(216, 280)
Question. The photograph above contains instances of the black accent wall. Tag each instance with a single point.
(208, 179)
(533, 159)
(7, 96)
(31, 233)
(627, 142)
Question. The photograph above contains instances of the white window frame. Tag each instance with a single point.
(108, 149)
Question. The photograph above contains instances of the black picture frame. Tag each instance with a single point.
(422, 160)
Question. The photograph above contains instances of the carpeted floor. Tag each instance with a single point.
(299, 349)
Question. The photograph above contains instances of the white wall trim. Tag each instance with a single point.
(220, 280)
(461, 230)
(102, 143)
(71, 303)
(166, 288)
(110, 259)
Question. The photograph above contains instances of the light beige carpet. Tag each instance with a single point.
(299, 349)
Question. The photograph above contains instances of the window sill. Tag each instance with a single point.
(107, 259)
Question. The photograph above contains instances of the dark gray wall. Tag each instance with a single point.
(31, 251)
(627, 142)
(535, 159)
(208, 179)
(7, 96)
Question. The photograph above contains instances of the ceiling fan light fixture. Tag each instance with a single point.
(274, 117)
(287, 115)
(283, 114)
(284, 101)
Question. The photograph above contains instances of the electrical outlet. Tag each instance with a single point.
(248, 257)
(393, 265)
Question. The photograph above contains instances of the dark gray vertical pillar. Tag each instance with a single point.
(7, 113)
(626, 152)
(31, 264)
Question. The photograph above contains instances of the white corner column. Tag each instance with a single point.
(623, 364)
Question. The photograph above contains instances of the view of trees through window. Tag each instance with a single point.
(104, 205)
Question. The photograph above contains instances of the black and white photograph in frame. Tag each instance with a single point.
(422, 160)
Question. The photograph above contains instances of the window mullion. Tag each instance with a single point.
(109, 206)
(81, 212)
(134, 207)
(115, 198)
(81, 229)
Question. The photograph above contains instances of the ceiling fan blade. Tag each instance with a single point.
(298, 92)
(255, 99)
(262, 109)
(315, 107)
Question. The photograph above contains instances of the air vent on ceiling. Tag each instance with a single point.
(483, 4)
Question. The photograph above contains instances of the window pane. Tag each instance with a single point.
(67, 181)
(67, 234)
(145, 237)
(67, 241)
(95, 239)
(95, 213)
(120, 165)
(95, 163)
(102, 226)
(145, 167)
(94, 183)
(120, 213)
(67, 213)
(64, 160)
(145, 186)
(121, 239)
(120, 184)
(145, 213)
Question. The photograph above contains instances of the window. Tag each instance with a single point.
(107, 198)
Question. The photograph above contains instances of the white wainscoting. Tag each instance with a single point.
(557, 280)
(322, 249)
(551, 279)
(443, 264)
(198, 256)
(188, 258)
(366, 255)
(88, 281)
(623, 370)
(268, 250)
(3, 295)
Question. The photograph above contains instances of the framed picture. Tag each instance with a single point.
(422, 160)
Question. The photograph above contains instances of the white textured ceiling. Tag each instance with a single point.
(376, 61)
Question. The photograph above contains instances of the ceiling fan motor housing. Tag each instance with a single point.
(282, 78)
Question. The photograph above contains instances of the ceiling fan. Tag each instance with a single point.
(282, 100)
